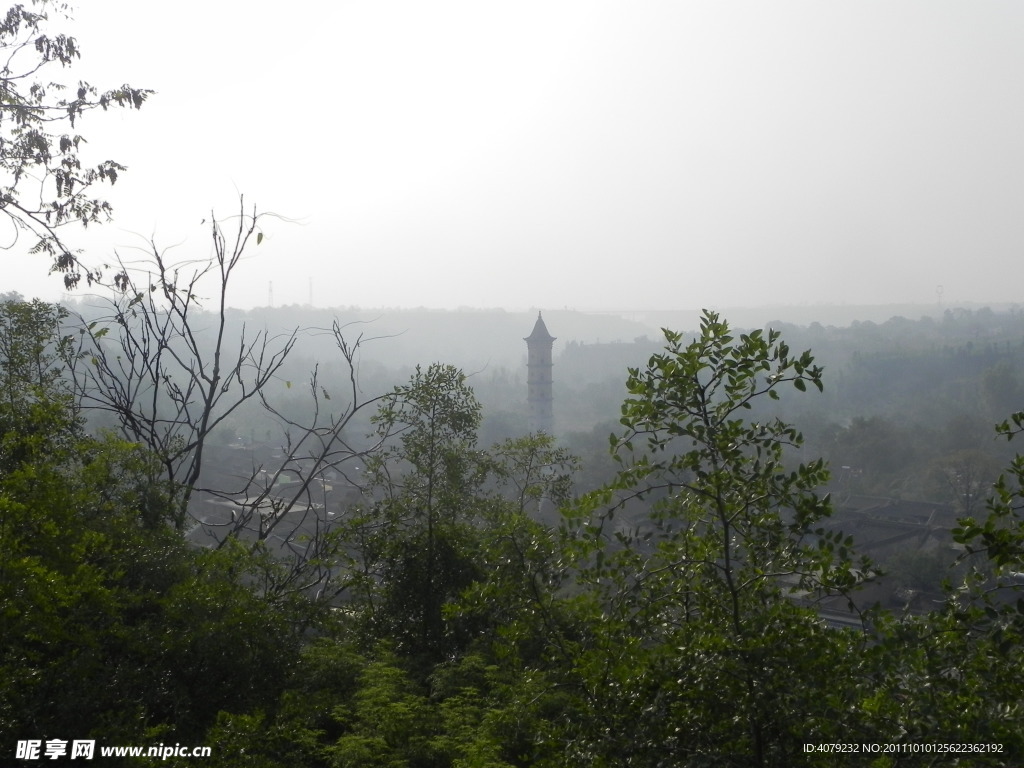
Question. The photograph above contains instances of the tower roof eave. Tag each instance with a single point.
(540, 331)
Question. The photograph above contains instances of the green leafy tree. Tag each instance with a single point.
(954, 675)
(1000, 537)
(973, 647)
(700, 565)
(30, 350)
(111, 627)
(44, 182)
(419, 549)
(387, 722)
(447, 514)
(534, 473)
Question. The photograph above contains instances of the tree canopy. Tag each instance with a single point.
(671, 617)
(44, 183)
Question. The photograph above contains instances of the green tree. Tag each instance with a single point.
(700, 565)
(30, 350)
(44, 182)
(427, 478)
(954, 675)
(534, 473)
(387, 721)
(981, 630)
(446, 513)
(111, 626)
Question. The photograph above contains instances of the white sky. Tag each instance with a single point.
(595, 155)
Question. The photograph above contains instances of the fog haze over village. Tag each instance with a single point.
(523, 385)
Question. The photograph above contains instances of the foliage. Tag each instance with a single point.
(987, 609)
(419, 549)
(537, 472)
(112, 627)
(677, 617)
(30, 353)
(448, 518)
(999, 537)
(701, 556)
(45, 183)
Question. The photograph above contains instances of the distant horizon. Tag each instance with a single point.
(71, 296)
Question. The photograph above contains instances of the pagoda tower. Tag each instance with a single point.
(538, 378)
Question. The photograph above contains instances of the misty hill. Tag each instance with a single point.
(481, 339)
(837, 315)
(473, 339)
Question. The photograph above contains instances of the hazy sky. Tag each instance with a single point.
(594, 155)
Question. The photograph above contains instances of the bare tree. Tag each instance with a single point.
(171, 372)
(310, 535)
